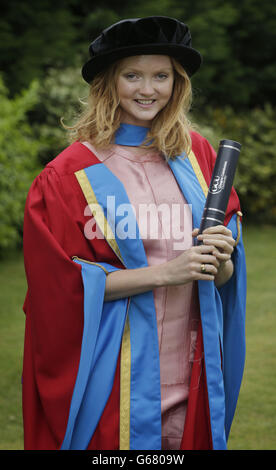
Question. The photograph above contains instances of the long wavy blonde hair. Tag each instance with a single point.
(170, 129)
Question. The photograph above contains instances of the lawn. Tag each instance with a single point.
(12, 292)
(254, 425)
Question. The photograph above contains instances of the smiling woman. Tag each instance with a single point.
(126, 336)
(144, 86)
(111, 102)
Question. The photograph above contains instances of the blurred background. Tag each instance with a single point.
(42, 48)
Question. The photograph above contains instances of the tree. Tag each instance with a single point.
(34, 36)
(18, 162)
(237, 40)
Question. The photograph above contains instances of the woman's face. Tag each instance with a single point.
(144, 87)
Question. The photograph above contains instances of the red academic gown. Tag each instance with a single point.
(54, 233)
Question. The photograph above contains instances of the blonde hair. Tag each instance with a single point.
(170, 129)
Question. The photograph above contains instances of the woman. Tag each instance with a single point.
(134, 334)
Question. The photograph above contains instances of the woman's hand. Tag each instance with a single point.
(184, 268)
(221, 238)
(197, 263)
(210, 261)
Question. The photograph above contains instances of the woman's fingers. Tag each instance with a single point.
(206, 262)
(209, 259)
(221, 238)
(218, 229)
(217, 237)
(205, 277)
(224, 245)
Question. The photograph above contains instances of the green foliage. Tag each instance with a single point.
(256, 175)
(59, 96)
(18, 151)
(237, 41)
(33, 37)
(97, 20)
(142, 8)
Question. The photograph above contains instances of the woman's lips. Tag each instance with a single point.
(145, 103)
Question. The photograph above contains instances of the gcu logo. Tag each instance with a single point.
(218, 181)
(218, 185)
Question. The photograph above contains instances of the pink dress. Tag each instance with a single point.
(166, 231)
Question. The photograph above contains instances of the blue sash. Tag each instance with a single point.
(222, 317)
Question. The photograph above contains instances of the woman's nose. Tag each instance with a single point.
(146, 88)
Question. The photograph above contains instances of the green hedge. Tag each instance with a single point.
(59, 96)
(256, 174)
(18, 162)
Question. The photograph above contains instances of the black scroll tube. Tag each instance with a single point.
(221, 185)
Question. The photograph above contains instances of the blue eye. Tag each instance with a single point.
(162, 76)
(131, 76)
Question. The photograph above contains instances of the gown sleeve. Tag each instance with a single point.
(54, 319)
(72, 337)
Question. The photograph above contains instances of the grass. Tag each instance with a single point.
(13, 287)
(254, 426)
